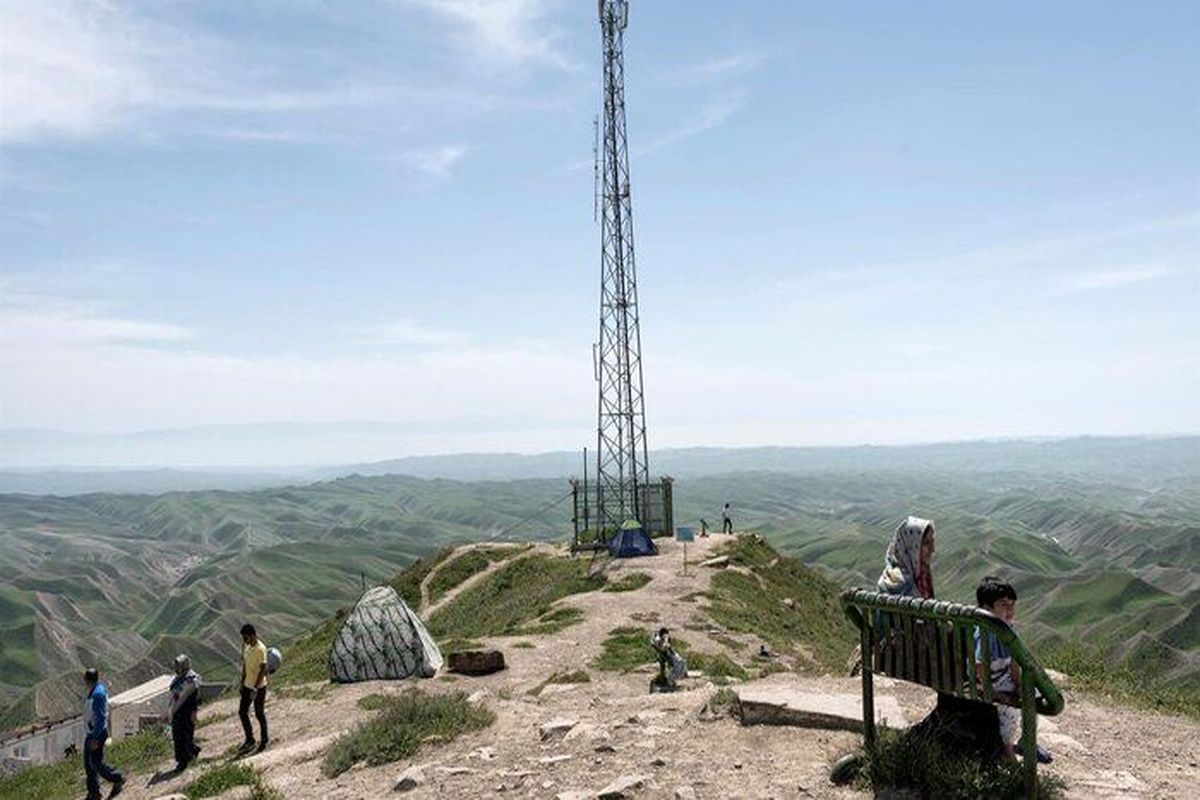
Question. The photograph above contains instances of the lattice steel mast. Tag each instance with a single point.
(622, 470)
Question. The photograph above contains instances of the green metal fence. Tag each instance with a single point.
(932, 642)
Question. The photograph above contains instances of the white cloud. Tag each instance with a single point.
(79, 68)
(437, 162)
(712, 114)
(513, 31)
(1114, 278)
(32, 320)
(408, 332)
(714, 69)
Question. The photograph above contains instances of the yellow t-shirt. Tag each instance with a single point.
(254, 656)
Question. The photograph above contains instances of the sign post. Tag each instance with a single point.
(685, 535)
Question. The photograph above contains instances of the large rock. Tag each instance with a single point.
(781, 705)
(477, 662)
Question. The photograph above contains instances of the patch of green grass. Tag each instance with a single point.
(524, 645)
(552, 621)
(372, 702)
(770, 668)
(64, 780)
(403, 723)
(213, 719)
(628, 583)
(220, 779)
(713, 666)
(408, 582)
(752, 603)
(458, 646)
(307, 659)
(574, 676)
(309, 691)
(1133, 684)
(624, 650)
(512, 598)
(454, 571)
(906, 761)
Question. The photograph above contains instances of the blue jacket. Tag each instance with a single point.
(95, 713)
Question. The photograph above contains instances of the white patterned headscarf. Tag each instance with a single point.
(902, 564)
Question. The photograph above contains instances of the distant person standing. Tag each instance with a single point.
(254, 689)
(95, 728)
(727, 519)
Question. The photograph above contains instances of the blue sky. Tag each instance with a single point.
(855, 223)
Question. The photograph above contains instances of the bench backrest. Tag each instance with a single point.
(932, 642)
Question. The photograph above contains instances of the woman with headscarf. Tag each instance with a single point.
(908, 565)
(185, 702)
(907, 570)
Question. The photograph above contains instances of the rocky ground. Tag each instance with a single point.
(576, 740)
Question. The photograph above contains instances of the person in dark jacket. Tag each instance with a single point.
(185, 702)
(95, 735)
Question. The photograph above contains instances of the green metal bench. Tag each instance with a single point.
(932, 643)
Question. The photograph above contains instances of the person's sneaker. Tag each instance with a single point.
(247, 746)
(116, 790)
(1043, 755)
(263, 745)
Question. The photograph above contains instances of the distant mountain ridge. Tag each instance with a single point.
(1127, 458)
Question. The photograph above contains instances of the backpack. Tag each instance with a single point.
(274, 660)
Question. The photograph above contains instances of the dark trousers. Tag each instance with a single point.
(727, 525)
(183, 732)
(95, 768)
(259, 698)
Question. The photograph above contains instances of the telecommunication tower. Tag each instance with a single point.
(622, 469)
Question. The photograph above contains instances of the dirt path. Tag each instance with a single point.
(1102, 752)
(425, 609)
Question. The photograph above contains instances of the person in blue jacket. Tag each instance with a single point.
(95, 735)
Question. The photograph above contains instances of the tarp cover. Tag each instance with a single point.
(630, 541)
(382, 639)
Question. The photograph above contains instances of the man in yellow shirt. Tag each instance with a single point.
(254, 688)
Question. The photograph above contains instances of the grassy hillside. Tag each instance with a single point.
(1110, 556)
(120, 580)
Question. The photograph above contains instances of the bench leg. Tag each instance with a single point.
(1029, 736)
(868, 690)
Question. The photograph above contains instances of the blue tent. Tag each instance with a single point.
(631, 541)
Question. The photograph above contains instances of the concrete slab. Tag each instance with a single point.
(782, 705)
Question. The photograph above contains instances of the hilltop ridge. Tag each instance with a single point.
(575, 640)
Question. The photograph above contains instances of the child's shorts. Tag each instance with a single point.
(1010, 723)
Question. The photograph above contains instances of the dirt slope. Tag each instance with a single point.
(623, 731)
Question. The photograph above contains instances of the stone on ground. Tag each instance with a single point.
(555, 729)
(477, 662)
(622, 787)
(782, 705)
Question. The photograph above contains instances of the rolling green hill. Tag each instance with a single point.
(1104, 549)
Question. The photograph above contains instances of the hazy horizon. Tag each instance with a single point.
(301, 446)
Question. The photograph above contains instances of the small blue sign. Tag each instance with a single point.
(685, 535)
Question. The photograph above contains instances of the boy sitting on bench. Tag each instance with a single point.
(1000, 598)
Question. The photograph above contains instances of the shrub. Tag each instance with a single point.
(575, 676)
(404, 722)
(906, 761)
(624, 650)
(628, 583)
(220, 779)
